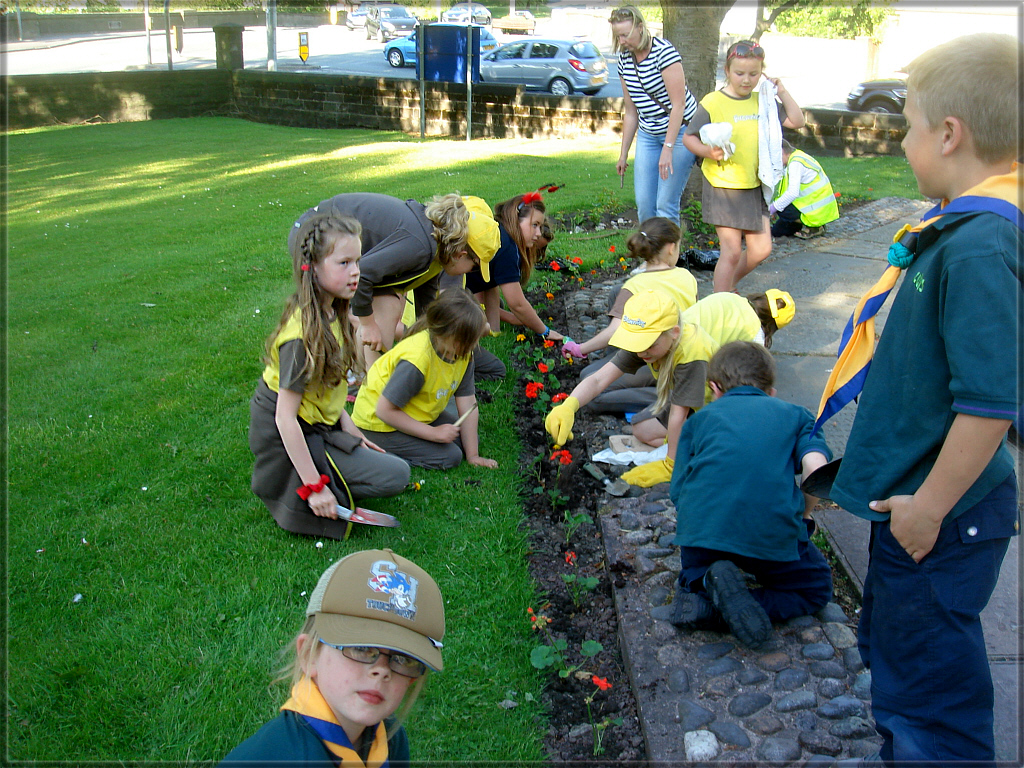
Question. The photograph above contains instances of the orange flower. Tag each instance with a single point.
(542, 367)
(577, 260)
(601, 682)
(555, 266)
(549, 296)
(611, 249)
(548, 343)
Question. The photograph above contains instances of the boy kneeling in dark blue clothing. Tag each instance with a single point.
(738, 505)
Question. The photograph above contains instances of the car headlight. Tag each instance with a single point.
(857, 91)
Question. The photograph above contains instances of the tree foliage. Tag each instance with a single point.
(812, 18)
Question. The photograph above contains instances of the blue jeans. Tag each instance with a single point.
(920, 635)
(655, 196)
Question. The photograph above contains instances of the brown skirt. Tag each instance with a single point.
(736, 208)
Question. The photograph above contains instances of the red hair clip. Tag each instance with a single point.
(550, 187)
(304, 267)
(532, 197)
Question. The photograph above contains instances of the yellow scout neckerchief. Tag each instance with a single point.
(996, 194)
(307, 701)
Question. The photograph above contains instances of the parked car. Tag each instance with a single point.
(520, 21)
(559, 66)
(878, 96)
(467, 13)
(389, 21)
(357, 16)
(402, 52)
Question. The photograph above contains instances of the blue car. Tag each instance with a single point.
(402, 52)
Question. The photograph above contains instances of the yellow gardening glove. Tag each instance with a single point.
(650, 474)
(560, 420)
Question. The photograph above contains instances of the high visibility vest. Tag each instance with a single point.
(816, 201)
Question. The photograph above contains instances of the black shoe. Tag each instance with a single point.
(728, 591)
(694, 611)
(809, 233)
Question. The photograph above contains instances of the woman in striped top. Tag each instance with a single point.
(657, 107)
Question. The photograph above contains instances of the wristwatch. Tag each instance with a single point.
(669, 144)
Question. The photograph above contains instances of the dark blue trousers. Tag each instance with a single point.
(788, 223)
(920, 635)
(788, 589)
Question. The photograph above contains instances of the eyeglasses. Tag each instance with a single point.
(745, 50)
(404, 665)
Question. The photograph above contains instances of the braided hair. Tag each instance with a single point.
(328, 359)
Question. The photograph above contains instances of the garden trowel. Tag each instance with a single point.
(617, 487)
(367, 517)
(819, 482)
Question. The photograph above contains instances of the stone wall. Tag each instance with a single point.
(345, 101)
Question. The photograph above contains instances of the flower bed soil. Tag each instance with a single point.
(555, 493)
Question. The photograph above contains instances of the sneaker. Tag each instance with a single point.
(728, 591)
(806, 233)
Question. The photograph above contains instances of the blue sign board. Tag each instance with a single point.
(445, 51)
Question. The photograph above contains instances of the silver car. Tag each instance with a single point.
(562, 67)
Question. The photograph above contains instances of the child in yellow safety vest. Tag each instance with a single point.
(804, 199)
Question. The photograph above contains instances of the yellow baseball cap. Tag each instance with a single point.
(380, 599)
(645, 317)
(784, 314)
(484, 238)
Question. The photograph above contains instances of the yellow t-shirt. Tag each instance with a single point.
(740, 170)
(725, 317)
(678, 283)
(441, 379)
(319, 406)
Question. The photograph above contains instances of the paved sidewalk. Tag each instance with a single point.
(804, 699)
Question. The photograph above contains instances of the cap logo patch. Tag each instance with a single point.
(636, 321)
(400, 588)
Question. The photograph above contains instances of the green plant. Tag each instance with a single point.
(553, 651)
(598, 728)
(578, 585)
(573, 521)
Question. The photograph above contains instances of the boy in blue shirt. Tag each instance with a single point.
(739, 507)
(926, 461)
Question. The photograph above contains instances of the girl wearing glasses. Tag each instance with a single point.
(732, 197)
(657, 105)
(373, 629)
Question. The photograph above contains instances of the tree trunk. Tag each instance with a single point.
(695, 29)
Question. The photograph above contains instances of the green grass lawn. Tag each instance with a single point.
(147, 263)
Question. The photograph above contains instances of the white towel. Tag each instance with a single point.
(718, 135)
(624, 459)
(770, 167)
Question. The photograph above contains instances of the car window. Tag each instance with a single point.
(585, 50)
(543, 51)
(514, 51)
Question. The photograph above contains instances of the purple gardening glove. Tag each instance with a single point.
(573, 348)
(772, 210)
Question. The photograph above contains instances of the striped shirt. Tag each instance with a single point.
(643, 78)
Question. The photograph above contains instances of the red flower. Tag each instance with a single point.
(570, 557)
(601, 682)
(555, 266)
(577, 260)
(533, 388)
(559, 397)
(548, 343)
(542, 367)
(611, 249)
(563, 456)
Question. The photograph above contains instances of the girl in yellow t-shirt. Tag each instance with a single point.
(403, 404)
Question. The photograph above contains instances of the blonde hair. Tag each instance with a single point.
(456, 317)
(654, 234)
(450, 217)
(631, 14)
(666, 373)
(296, 662)
(328, 359)
(976, 80)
